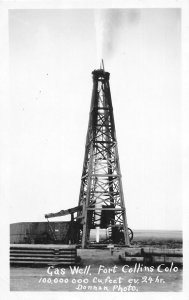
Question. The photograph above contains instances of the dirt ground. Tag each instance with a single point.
(101, 271)
(98, 271)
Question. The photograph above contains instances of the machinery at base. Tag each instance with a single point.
(108, 235)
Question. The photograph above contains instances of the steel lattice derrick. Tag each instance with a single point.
(101, 193)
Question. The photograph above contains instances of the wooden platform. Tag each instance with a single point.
(37, 254)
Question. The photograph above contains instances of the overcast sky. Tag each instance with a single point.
(52, 55)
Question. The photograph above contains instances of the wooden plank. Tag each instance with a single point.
(41, 258)
(132, 258)
(167, 260)
(41, 255)
(43, 262)
(40, 251)
(42, 246)
(44, 254)
(158, 251)
(19, 262)
(32, 250)
(64, 212)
